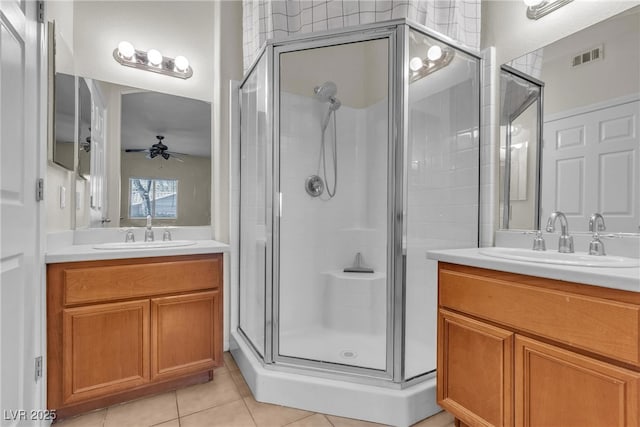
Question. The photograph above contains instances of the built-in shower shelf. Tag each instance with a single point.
(339, 274)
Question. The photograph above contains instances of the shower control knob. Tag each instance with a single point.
(314, 185)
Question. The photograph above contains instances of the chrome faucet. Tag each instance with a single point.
(129, 237)
(148, 233)
(565, 243)
(596, 224)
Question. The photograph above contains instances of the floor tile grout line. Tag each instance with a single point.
(175, 394)
(244, 402)
(304, 418)
(209, 408)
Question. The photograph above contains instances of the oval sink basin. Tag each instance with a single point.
(145, 245)
(554, 257)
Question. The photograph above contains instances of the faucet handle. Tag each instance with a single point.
(129, 237)
(166, 236)
(538, 242)
(596, 247)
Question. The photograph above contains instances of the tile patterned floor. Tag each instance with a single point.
(224, 402)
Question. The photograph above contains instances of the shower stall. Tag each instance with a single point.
(358, 152)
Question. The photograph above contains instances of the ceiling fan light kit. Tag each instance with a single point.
(157, 149)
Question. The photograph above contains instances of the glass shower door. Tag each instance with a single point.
(255, 149)
(333, 299)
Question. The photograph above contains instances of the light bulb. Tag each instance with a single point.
(415, 64)
(533, 3)
(154, 57)
(181, 63)
(434, 53)
(126, 50)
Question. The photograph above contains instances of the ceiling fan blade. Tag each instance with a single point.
(136, 150)
(176, 153)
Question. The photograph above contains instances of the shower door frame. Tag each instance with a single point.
(266, 355)
(397, 30)
(316, 41)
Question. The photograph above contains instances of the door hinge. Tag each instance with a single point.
(38, 374)
(40, 6)
(39, 190)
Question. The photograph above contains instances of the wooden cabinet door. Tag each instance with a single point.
(556, 387)
(474, 376)
(106, 349)
(185, 334)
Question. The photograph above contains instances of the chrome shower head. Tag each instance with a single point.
(326, 91)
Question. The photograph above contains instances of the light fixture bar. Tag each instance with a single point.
(167, 66)
(544, 8)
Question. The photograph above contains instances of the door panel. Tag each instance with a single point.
(185, 330)
(474, 370)
(557, 387)
(592, 162)
(106, 348)
(20, 274)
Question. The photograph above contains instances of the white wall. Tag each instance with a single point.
(506, 26)
(616, 75)
(61, 12)
(58, 219)
(173, 27)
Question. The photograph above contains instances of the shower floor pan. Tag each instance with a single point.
(329, 345)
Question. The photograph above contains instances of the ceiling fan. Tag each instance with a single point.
(157, 149)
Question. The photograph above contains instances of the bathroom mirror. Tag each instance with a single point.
(520, 142)
(64, 121)
(590, 158)
(165, 163)
(173, 185)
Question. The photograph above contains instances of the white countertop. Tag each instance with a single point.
(627, 279)
(86, 252)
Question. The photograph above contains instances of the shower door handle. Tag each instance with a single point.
(279, 205)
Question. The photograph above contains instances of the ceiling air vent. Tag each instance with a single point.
(593, 54)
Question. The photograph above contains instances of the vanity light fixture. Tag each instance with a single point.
(125, 54)
(536, 9)
(437, 57)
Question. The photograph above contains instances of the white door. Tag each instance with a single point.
(591, 164)
(98, 187)
(20, 264)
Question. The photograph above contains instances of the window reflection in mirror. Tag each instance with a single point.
(520, 118)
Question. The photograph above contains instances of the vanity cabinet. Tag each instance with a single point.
(120, 329)
(517, 350)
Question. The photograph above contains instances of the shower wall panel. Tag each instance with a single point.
(320, 237)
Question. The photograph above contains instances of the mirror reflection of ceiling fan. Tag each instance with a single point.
(157, 149)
